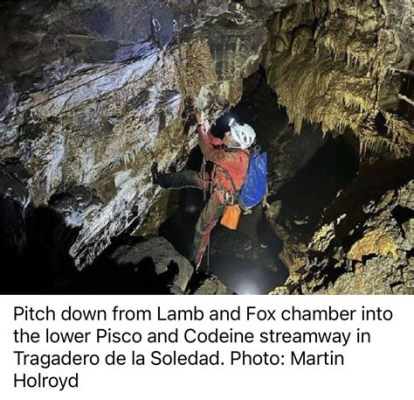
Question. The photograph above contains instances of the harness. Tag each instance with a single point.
(230, 198)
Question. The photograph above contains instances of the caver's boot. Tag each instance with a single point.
(159, 178)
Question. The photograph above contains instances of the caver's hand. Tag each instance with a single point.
(265, 204)
(200, 117)
(202, 120)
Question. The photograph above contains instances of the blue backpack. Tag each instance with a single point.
(255, 183)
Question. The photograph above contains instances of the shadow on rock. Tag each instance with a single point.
(132, 265)
(35, 248)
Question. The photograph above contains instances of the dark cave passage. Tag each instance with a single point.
(316, 185)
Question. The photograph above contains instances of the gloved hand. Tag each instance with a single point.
(200, 117)
(202, 120)
(265, 204)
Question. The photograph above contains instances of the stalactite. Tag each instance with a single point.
(346, 69)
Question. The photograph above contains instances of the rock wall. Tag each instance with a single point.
(376, 256)
(93, 92)
(349, 67)
(343, 65)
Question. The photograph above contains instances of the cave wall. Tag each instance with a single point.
(93, 92)
(341, 64)
(348, 66)
(375, 256)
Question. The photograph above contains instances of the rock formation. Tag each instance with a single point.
(92, 93)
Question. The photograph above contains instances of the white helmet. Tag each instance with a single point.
(244, 134)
